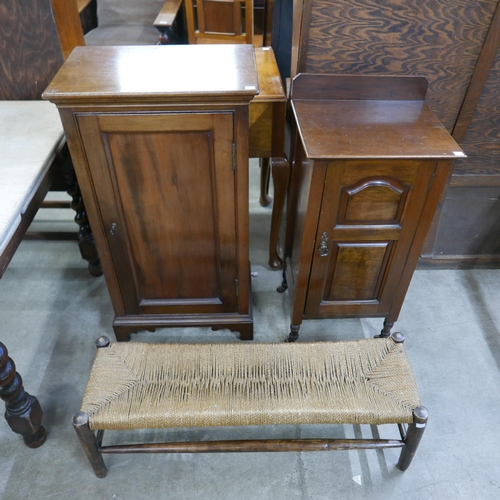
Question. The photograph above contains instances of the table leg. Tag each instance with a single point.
(280, 170)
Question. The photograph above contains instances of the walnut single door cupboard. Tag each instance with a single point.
(159, 138)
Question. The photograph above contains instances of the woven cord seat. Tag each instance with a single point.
(139, 386)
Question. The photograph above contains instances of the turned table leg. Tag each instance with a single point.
(386, 330)
(22, 411)
(86, 241)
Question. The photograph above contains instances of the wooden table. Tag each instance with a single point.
(267, 141)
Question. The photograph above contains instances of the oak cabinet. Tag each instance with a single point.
(369, 165)
(165, 168)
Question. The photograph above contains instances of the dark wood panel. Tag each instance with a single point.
(470, 223)
(29, 48)
(380, 87)
(357, 271)
(479, 77)
(184, 254)
(438, 39)
(482, 141)
(373, 200)
(372, 129)
(282, 35)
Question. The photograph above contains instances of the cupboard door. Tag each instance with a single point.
(368, 218)
(165, 186)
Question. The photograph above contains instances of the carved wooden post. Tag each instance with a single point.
(22, 411)
(86, 241)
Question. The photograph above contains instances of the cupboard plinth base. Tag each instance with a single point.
(126, 325)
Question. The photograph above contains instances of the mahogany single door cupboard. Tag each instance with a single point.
(159, 138)
(370, 163)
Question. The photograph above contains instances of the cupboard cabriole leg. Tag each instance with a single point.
(413, 436)
(264, 200)
(22, 410)
(294, 333)
(89, 443)
(281, 173)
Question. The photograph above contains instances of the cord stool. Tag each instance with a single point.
(144, 386)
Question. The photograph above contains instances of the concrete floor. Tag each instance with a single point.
(52, 310)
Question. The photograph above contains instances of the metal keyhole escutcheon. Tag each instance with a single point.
(323, 247)
(113, 229)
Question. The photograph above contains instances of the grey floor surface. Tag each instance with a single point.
(52, 310)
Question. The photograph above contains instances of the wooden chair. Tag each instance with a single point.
(129, 22)
(219, 21)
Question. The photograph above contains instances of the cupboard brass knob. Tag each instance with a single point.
(323, 247)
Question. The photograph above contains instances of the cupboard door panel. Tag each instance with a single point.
(373, 200)
(357, 271)
(369, 213)
(172, 181)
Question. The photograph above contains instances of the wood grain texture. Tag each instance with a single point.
(30, 54)
(438, 39)
(482, 141)
(145, 74)
(371, 129)
(479, 77)
(357, 272)
(68, 24)
(373, 200)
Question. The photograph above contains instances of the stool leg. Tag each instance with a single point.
(413, 437)
(89, 443)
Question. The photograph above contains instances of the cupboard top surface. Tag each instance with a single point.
(344, 129)
(156, 73)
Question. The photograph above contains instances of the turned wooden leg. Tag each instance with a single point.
(89, 443)
(413, 436)
(294, 333)
(86, 241)
(281, 173)
(264, 200)
(22, 411)
(386, 330)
